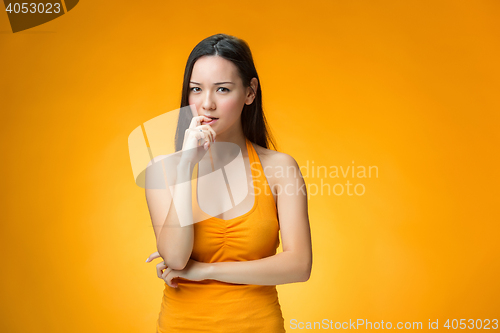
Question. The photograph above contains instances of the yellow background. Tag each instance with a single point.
(408, 86)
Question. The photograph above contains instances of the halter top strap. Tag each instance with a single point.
(263, 197)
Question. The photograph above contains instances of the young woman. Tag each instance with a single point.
(221, 273)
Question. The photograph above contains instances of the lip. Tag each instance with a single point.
(213, 121)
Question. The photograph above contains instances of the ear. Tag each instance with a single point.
(251, 91)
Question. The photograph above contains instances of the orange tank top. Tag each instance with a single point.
(215, 306)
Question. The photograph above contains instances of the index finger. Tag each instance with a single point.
(153, 256)
(196, 121)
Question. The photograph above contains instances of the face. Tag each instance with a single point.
(217, 91)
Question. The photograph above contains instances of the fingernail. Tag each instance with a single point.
(147, 260)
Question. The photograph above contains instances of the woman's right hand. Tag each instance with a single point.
(195, 136)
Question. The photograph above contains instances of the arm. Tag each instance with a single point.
(295, 262)
(173, 241)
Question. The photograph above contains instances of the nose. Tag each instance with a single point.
(208, 103)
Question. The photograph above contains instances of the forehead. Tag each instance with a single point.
(210, 69)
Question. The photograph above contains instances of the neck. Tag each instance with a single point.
(235, 136)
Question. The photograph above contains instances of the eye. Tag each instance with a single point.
(225, 88)
(194, 88)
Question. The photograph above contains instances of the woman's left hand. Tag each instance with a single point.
(194, 271)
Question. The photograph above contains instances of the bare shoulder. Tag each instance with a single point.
(274, 160)
(280, 169)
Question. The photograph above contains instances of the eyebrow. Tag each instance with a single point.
(216, 83)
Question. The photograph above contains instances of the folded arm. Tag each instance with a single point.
(295, 262)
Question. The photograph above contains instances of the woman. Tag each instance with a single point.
(221, 273)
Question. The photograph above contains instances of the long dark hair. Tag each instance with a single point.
(253, 121)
